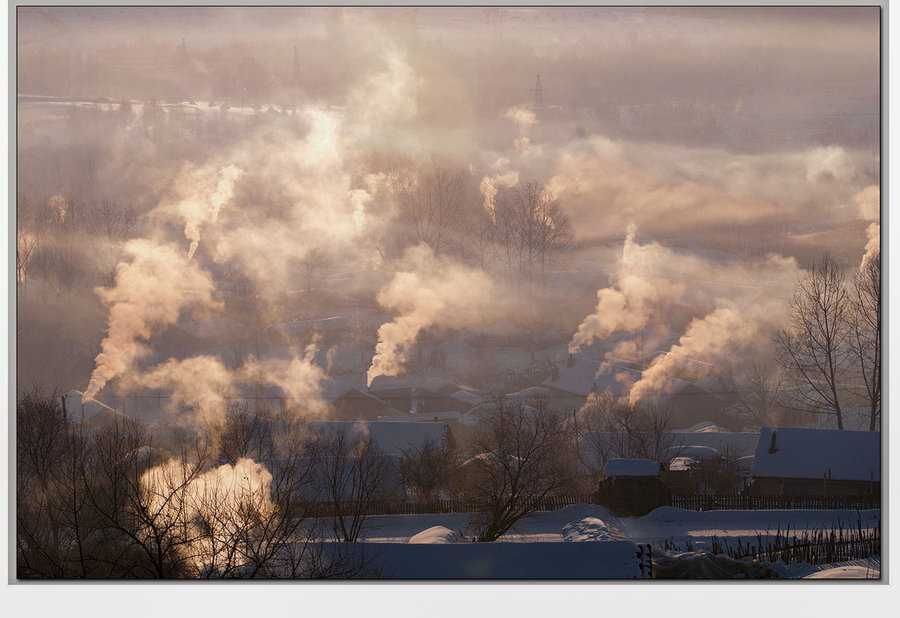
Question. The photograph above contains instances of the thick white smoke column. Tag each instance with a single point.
(627, 305)
(427, 291)
(869, 202)
(151, 290)
(710, 340)
(202, 192)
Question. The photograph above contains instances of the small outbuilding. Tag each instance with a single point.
(632, 486)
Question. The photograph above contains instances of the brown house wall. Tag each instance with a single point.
(773, 486)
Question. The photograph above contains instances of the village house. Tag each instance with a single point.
(816, 462)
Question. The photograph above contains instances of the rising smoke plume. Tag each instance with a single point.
(204, 192)
(869, 203)
(153, 286)
(426, 291)
(708, 343)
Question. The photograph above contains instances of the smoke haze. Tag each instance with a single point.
(214, 202)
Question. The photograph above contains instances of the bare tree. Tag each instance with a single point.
(813, 348)
(432, 200)
(427, 468)
(592, 422)
(865, 335)
(353, 474)
(532, 229)
(107, 504)
(522, 456)
(756, 395)
(609, 428)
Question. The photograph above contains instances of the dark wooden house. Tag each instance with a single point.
(796, 462)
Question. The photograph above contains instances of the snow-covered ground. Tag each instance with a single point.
(547, 533)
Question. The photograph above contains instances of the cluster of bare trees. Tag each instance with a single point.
(53, 236)
(243, 501)
(259, 496)
(524, 232)
(831, 347)
(531, 230)
(609, 428)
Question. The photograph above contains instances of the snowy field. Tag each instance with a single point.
(587, 541)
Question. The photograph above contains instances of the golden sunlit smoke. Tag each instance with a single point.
(152, 287)
(426, 291)
(869, 202)
(216, 506)
(298, 378)
(709, 340)
(201, 384)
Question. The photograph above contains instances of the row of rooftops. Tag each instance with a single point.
(787, 453)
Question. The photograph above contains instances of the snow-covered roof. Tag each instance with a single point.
(696, 451)
(431, 384)
(428, 379)
(332, 390)
(631, 467)
(703, 427)
(467, 396)
(585, 376)
(745, 464)
(579, 378)
(733, 444)
(816, 453)
(526, 394)
(681, 463)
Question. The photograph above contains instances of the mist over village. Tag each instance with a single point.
(448, 293)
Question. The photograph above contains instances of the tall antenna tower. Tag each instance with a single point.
(538, 100)
(538, 108)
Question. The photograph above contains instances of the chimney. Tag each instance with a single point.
(772, 447)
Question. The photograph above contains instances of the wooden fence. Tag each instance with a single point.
(550, 503)
(740, 502)
(825, 546)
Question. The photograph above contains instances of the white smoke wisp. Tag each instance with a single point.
(640, 281)
(650, 276)
(739, 328)
(869, 203)
(150, 292)
(489, 188)
(524, 119)
(827, 162)
(213, 508)
(427, 291)
(222, 195)
(873, 246)
(359, 198)
(202, 192)
(298, 378)
(201, 384)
